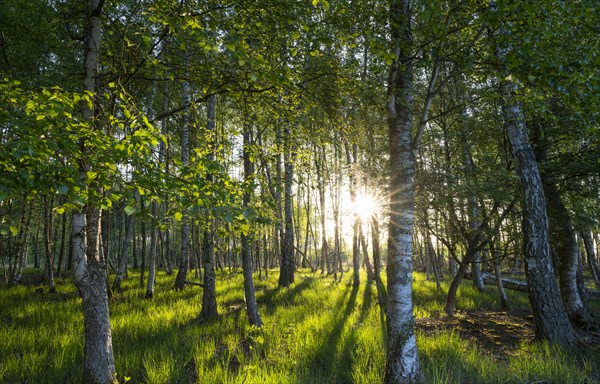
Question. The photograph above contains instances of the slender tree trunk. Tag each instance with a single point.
(249, 292)
(550, 318)
(350, 161)
(498, 274)
(154, 234)
(433, 257)
(286, 274)
(588, 243)
(143, 255)
(48, 226)
(20, 246)
(377, 258)
(319, 165)
(402, 363)
(127, 240)
(209, 294)
(61, 252)
(363, 243)
(455, 284)
(185, 221)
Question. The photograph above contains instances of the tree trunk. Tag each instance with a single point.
(90, 272)
(550, 318)
(48, 226)
(61, 252)
(185, 221)
(433, 260)
(154, 234)
(562, 236)
(592, 261)
(127, 239)
(562, 239)
(377, 259)
(209, 293)
(20, 246)
(350, 161)
(363, 243)
(249, 292)
(319, 167)
(455, 284)
(402, 363)
(286, 274)
(498, 275)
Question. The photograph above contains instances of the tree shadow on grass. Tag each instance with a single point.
(322, 368)
(269, 298)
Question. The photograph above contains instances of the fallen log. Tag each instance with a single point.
(514, 285)
(193, 283)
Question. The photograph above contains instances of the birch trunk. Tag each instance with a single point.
(562, 236)
(350, 161)
(402, 364)
(550, 318)
(90, 272)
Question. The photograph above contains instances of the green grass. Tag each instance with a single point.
(317, 331)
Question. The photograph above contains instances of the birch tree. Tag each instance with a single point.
(90, 275)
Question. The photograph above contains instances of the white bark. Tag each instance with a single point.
(402, 364)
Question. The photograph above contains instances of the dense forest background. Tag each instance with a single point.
(345, 141)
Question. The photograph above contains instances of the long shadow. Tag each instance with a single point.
(322, 364)
(269, 300)
(346, 359)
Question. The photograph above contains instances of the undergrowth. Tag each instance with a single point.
(317, 331)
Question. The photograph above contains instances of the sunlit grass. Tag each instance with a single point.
(317, 331)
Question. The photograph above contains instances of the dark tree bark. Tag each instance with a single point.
(551, 320)
(184, 259)
(125, 248)
(286, 274)
(48, 228)
(209, 294)
(249, 292)
(562, 239)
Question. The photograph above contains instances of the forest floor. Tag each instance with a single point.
(318, 331)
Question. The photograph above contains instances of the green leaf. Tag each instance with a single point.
(178, 216)
(129, 210)
(14, 230)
